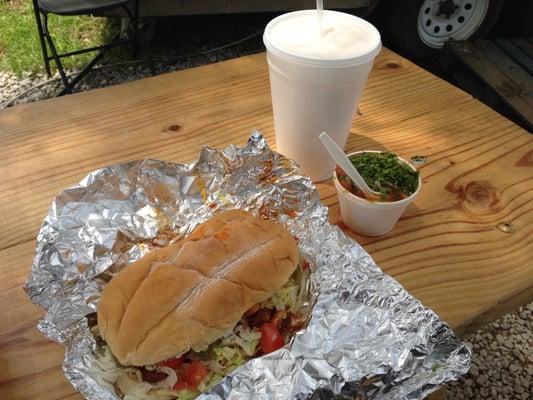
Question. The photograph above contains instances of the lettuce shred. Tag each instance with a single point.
(289, 297)
(187, 395)
(224, 359)
(209, 381)
(139, 392)
(106, 371)
(285, 298)
(246, 338)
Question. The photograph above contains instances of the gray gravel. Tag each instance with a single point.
(12, 86)
(502, 364)
(33, 87)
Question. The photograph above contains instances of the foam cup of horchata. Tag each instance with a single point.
(397, 181)
(319, 61)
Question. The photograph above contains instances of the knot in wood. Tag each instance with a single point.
(393, 65)
(389, 64)
(174, 128)
(480, 198)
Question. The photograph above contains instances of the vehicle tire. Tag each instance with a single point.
(421, 27)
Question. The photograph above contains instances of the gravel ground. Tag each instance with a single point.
(32, 87)
(502, 364)
(503, 351)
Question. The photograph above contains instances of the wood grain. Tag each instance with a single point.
(445, 250)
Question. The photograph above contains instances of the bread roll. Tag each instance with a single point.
(189, 294)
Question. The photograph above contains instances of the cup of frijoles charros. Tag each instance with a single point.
(397, 181)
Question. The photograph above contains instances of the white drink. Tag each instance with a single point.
(317, 73)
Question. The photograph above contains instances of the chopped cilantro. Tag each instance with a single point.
(385, 173)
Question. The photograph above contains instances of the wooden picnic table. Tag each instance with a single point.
(446, 250)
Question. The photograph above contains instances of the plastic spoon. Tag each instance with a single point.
(344, 162)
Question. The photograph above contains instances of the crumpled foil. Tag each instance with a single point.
(367, 337)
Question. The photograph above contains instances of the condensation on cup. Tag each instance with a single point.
(318, 69)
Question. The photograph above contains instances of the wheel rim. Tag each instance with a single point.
(443, 20)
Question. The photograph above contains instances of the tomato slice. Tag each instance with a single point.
(271, 339)
(181, 385)
(174, 362)
(195, 373)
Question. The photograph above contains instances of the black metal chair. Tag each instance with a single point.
(82, 7)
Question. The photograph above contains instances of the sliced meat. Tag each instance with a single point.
(152, 376)
(260, 317)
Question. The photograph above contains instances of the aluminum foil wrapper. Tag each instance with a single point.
(367, 337)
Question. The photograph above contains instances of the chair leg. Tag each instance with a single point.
(136, 34)
(55, 55)
(40, 31)
(88, 68)
(46, 38)
(138, 41)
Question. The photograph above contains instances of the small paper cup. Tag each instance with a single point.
(371, 218)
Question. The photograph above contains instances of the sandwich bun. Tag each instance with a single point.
(189, 294)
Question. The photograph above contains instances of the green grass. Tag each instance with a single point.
(20, 49)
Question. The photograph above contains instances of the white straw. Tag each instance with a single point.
(320, 11)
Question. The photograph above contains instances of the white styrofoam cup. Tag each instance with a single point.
(311, 96)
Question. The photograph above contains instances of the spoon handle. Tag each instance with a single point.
(342, 160)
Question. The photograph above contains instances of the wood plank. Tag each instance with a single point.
(517, 75)
(525, 45)
(445, 249)
(516, 54)
(215, 105)
(32, 362)
(500, 72)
